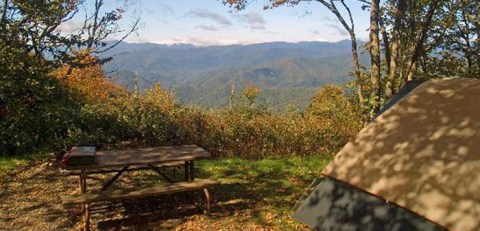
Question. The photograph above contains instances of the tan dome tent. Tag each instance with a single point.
(414, 167)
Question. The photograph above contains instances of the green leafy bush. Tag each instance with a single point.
(32, 104)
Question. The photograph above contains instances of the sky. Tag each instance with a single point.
(209, 22)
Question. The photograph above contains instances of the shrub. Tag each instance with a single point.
(32, 104)
(250, 131)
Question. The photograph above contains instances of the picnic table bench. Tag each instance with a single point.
(120, 161)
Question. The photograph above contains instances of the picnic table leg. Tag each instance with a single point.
(85, 207)
(187, 169)
(189, 172)
(174, 173)
(192, 171)
(114, 178)
(161, 173)
(207, 198)
(82, 187)
(87, 218)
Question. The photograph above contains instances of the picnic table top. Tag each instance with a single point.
(144, 156)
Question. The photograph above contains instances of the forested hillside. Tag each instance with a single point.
(286, 73)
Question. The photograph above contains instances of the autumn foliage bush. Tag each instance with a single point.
(253, 132)
(84, 108)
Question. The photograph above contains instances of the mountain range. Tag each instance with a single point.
(288, 74)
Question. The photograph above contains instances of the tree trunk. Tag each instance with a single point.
(351, 31)
(418, 50)
(356, 70)
(3, 25)
(399, 12)
(412, 71)
(375, 57)
(3, 17)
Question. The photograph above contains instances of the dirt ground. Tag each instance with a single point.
(30, 200)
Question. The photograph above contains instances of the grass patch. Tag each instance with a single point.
(262, 192)
(8, 163)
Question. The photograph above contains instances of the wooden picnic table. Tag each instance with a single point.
(152, 158)
(144, 156)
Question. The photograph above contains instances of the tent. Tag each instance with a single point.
(416, 166)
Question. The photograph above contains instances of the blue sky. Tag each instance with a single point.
(209, 22)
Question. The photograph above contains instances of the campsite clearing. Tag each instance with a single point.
(254, 195)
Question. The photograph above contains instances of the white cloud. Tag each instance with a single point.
(328, 19)
(254, 21)
(340, 30)
(314, 31)
(70, 26)
(207, 41)
(166, 9)
(205, 27)
(160, 11)
(204, 13)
